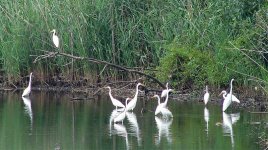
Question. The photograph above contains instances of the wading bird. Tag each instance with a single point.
(27, 91)
(121, 116)
(165, 92)
(206, 96)
(132, 104)
(161, 107)
(55, 38)
(224, 95)
(229, 98)
(115, 102)
(165, 103)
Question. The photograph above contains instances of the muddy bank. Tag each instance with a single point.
(251, 99)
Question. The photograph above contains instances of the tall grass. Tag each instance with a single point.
(124, 32)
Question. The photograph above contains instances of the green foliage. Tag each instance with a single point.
(185, 65)
(135, 33)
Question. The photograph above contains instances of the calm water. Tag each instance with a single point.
(52, 121)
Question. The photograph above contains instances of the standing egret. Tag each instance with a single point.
(115, 102)
(27, 91)
(206, 96)
(161, 107)
(121, 116)
(234, 99)
(55, 38)
(165, 92)
(228, 99)
(132, 104)
(165, 103)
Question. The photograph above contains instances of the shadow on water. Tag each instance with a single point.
(52, 121)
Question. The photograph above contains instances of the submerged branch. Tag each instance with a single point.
(55, 54)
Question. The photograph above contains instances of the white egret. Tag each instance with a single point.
(55, 38)
(165, 103)
(166, 112)
(165, 92)
(234, 99)
(27, 91)
(161, 107)
(228, 99)
(206, 96)
(132, 104)
(121, 116)
(115, 102)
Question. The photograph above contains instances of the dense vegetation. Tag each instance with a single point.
(189, 42)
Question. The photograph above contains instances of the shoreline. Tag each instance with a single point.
(249, 100)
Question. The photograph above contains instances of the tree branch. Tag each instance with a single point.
(54, 54)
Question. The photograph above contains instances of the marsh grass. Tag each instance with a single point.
(129, 33)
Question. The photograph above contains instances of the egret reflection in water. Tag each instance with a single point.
(206, 118)
(163, 126)
(120, 130)
(113, 115)
(28, 109)
(134, 126)
(228, 121)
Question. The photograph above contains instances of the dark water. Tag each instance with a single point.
(52, 121)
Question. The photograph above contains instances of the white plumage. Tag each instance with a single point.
(165, 102)
(55, 38)
(206, 96)
(161, 108)
(234, 98)
(115, 102)
(27, 91)
(132, 104)
(229, 98)
(165, 92)
(122, 115)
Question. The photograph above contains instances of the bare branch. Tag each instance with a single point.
(97, 61)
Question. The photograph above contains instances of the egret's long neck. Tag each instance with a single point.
(30, 81)
(166, 98)
(207, 89)
(158, 99)
(137, 91)
(231, 89)
(224, 95)
(126, 106)
(110, 93)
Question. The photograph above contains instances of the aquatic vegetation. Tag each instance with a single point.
(135, 34)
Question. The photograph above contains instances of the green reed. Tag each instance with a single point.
(124, 32)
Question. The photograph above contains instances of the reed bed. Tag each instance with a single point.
(124, 32)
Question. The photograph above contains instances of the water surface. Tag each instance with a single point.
(51, 121)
